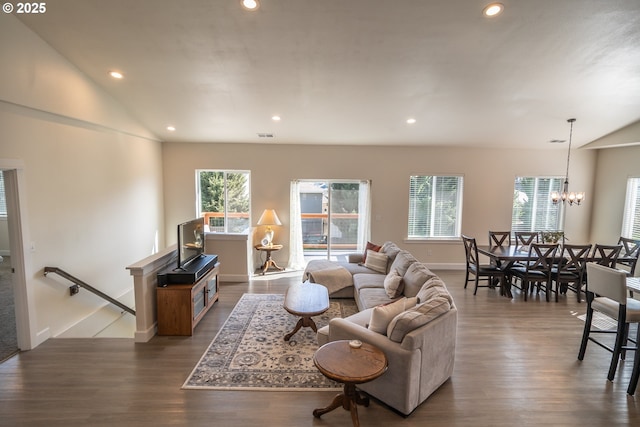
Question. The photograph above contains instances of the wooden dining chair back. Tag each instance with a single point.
(629, 252)
(480, 271)
(568, 272)
(538, 269)
(606, 255)
(525, 238)
(607, 294)
(499, 238)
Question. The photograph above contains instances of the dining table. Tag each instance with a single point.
(506, 256)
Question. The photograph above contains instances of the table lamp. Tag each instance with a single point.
(269, 218)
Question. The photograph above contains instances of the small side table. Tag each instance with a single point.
(269, 262)
(340, 362)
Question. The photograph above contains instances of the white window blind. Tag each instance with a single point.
(631, 219)
(435, 206)
(3, 199)
(533, 209)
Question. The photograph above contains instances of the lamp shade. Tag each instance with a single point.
(269, 217)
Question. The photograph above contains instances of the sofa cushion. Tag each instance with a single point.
(356, 268)
(417, 274)
(376, 261)
(371, 280)
(393, 284)
(413, 318)
(432, 288)
(371, 297)
(402, 262)
(390, 249)
(382, 315)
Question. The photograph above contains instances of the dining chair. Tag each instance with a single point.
(487, 272)
(569, 270)
(629, 252)
(606, 255)
(537, 270)
(525, 238)
(499, 238)
(607, 294)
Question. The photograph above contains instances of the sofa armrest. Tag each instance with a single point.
(343, 329)
(355, 258)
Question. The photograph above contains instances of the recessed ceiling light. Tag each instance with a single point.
(411, 121)
(171, 128)
(276, 118)
(493, 9)
(250, 4)
(116, 74)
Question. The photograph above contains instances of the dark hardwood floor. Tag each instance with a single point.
(515, 366)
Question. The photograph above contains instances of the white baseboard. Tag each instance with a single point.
(42, 336)
(446, 266)
(145, 336)
(233, 277)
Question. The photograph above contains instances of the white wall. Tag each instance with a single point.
(614, 167)
(93, 178)
(488, 193)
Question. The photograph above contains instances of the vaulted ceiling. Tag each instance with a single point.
(354, 71)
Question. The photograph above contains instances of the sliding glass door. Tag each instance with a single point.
(334, 217)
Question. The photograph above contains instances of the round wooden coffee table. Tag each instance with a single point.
(305, 300)
(340, 362)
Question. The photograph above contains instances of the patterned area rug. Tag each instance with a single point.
(250, 353)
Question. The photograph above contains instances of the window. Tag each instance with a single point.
(224, 199)
(533, 209)
(435, 206)
(631, 219)
(3, 200)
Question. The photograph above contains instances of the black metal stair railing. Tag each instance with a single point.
(77, 284)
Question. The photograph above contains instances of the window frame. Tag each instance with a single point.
(631, 213)
(3, 197)
(559, 181)
(226, 216)
(431, 236)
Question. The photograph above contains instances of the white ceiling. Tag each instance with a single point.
(353, 71)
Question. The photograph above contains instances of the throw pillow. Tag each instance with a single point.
(370, 246)
(393, 284)
(381, 315)
(420, 315)
(376, 261)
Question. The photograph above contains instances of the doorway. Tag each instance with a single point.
(334, 217)
(8, 330)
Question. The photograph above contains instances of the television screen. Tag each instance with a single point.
(190, 241)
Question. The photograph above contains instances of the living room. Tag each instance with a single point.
(99, 191)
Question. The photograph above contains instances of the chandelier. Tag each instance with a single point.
(566, 195)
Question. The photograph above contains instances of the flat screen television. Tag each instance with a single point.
(190, 242)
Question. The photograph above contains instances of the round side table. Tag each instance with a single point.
(340, 362)
(269, 262)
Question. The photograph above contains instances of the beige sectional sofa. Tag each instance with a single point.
(407, 311)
